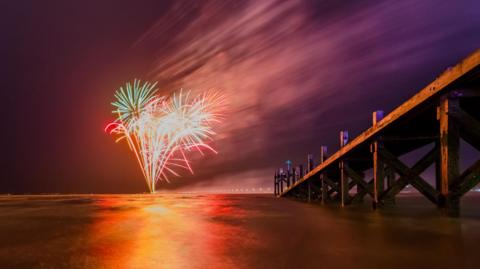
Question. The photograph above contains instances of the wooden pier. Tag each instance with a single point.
(441, 114)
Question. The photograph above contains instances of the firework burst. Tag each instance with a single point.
(163, 131)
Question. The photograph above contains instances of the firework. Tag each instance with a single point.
(131, 100)
(163, 131)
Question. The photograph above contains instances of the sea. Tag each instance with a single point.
(191, 230)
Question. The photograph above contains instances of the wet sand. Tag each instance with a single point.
(231, 231)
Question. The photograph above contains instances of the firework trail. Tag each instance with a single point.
(161, 131)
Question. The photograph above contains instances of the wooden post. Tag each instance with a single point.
(343, 176)
(289, 172)
(323, 157)
(449, 155)
(438, 163)
(343, 184)
(310, 162)
(275, 184)
(309, 192)
(309, 168)
(278, 182)
(343, 138)
(281, 180)
(377, 116)
(378, 173)
(297, 173)
(294, 175)
(378, 165)
(390, 174)
(323, 153)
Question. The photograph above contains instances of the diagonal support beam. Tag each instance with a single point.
(301, 191)
(466, 181)
(363, 188)
(413, 178)
(314, 191)
(334, 191)
(364, 191)
(348, 198)
(420, 166)
(358, 179)
(333, 186)
(390, 176)
(469, 126)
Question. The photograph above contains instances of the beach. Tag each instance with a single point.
(231, 231)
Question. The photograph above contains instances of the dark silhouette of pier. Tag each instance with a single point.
(441, 114)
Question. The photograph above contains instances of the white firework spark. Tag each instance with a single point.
(162, 131)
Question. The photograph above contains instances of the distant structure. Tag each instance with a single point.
(441, 114)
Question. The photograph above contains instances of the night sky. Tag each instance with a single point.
(295, 73)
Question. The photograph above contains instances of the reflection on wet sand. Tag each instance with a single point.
(163, 232)
(229, 231)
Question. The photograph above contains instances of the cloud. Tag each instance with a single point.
(297, 72)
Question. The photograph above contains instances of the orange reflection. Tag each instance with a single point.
(165, 232)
